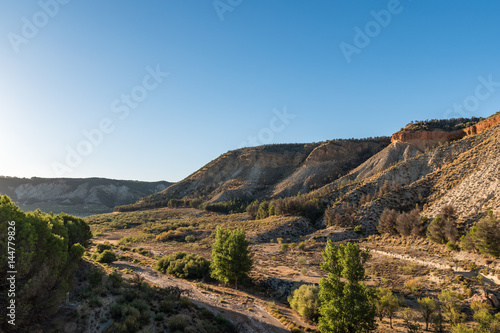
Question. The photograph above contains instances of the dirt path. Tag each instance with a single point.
(250, 316)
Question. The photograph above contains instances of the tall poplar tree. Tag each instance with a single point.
(231, 257)
(347, 304)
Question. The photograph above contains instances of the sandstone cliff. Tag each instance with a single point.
(425, 139)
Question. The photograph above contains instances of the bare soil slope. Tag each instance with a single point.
(464, 173)
(269, 171)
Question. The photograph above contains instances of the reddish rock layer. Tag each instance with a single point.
(423, 139)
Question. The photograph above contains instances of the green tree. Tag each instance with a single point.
(183, 265)
(438, 320)
(435, 230)
(443, 228)
(428, 307)
(78, 230)
(461, 328)
(231, 257)
(487, 322)
(263, 211)
(347, 304)
(387, 304)
(484, 236)
(305, 301)
(252, 210)
(410, 321)
(451, 305)
(47, 250)
(449, 215)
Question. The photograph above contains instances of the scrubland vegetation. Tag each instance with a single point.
(209, 247)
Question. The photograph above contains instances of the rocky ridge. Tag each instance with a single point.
(270, 171)
(425, 139)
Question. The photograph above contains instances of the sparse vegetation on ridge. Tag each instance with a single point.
(452, 124)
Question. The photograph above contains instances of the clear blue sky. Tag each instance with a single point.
(69, 69)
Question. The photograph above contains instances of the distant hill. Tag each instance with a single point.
(269, 171)
(76, 196)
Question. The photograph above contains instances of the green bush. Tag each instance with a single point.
(115, 311)
(115, 280)
(129, 240)
(178, 322)
(305, 301)
(170, 235)
(358, 229)
(451, 246)
(165, 236)
(461, 328)
(183, 265)
(106, 257)
(190, 238)
(167, 305)
(100, 248)
(95, 301)
(126, 319)
(302, 261)
(95, 277)
(131, 315)
(143, 251)
(159, 316)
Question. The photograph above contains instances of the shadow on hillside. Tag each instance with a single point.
(251, 322)
(275, 287)
(291, 231)
(245, 323)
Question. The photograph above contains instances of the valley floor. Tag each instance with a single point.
(287, 252)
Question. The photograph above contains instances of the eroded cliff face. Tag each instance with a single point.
(464, 174)
(271, 171)
(325, 163)
(424, 139)
(240, 174)
(483, 125)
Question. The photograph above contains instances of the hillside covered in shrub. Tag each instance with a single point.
(44, 250)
